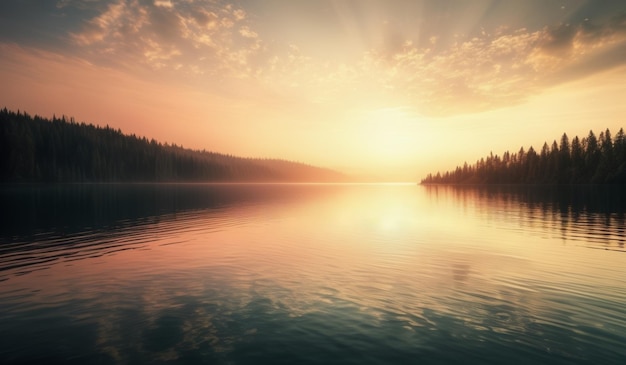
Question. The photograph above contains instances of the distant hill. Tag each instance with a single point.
(590, 160)
(36, 149)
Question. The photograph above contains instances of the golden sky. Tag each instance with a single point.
(384, 89)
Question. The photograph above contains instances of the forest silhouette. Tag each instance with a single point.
(590, 160)
(36, 149)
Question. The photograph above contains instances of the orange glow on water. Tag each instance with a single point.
(364, 243)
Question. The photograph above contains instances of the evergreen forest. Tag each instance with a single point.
(590, 160)
(36, 149)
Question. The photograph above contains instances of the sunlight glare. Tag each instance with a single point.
(388, 133)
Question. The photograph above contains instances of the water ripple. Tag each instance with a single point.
(366, 274)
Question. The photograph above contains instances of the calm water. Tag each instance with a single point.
(303, 274)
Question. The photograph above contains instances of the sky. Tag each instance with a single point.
(382, 90)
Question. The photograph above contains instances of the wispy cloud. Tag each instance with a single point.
(471, 74)
(500, 69)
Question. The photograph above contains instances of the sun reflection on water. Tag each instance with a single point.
(419, 267)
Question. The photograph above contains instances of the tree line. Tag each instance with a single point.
(590, 160)
(37, 149)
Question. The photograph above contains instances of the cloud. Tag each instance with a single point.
(196, 37)
(217, 40)
(247, 33)
(471, 74)
(117, 24)
(164, 3)
(500, 69)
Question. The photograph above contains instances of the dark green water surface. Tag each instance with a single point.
(311, 274)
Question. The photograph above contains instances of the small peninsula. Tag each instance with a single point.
(590, 160)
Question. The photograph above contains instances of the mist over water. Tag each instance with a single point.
(308, 274)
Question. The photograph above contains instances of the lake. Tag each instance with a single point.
(312, 274)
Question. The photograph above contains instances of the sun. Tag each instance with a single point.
(389, 133)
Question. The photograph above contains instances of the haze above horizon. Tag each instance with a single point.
(387, 89)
